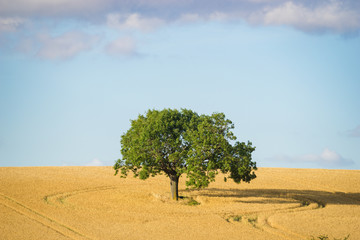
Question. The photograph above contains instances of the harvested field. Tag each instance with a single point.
(91, 203)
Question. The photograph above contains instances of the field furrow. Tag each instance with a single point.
(271, 226)
(40, 218)
(263, 219)
(81, 203)
(59, 198)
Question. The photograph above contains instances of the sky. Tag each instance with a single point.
(285, 72)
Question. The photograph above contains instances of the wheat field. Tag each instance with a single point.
(91, 203)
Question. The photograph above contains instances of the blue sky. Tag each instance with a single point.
(73, 73)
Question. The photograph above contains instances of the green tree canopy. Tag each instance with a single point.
(182, 142)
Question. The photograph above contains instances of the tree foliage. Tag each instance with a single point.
(182, 142)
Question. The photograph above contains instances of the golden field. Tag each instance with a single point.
(91, 203)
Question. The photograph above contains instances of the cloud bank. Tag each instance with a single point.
(323, 16)
(338, 16)
(328, 158)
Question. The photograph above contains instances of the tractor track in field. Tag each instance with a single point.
(262, 219)
(59, 198)
(41, 218)
(270, 225)
(266, 223)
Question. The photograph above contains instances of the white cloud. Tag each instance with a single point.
(190, 17)
(219, 16)
(121, 46)
(195, 17)
(133, 22)
(332, 16)
(328, 158)
(95, 162)
(213, 16)
(11, 24)
(65, 46)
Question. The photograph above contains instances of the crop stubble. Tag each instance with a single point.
(91, 203)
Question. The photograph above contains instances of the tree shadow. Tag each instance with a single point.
(271, 196)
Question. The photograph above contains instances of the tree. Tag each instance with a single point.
(182, 142)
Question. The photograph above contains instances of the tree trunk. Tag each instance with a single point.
(174, 185)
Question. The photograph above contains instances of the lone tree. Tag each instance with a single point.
(176, 142)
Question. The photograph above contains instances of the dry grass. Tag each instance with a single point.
(91, 203)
